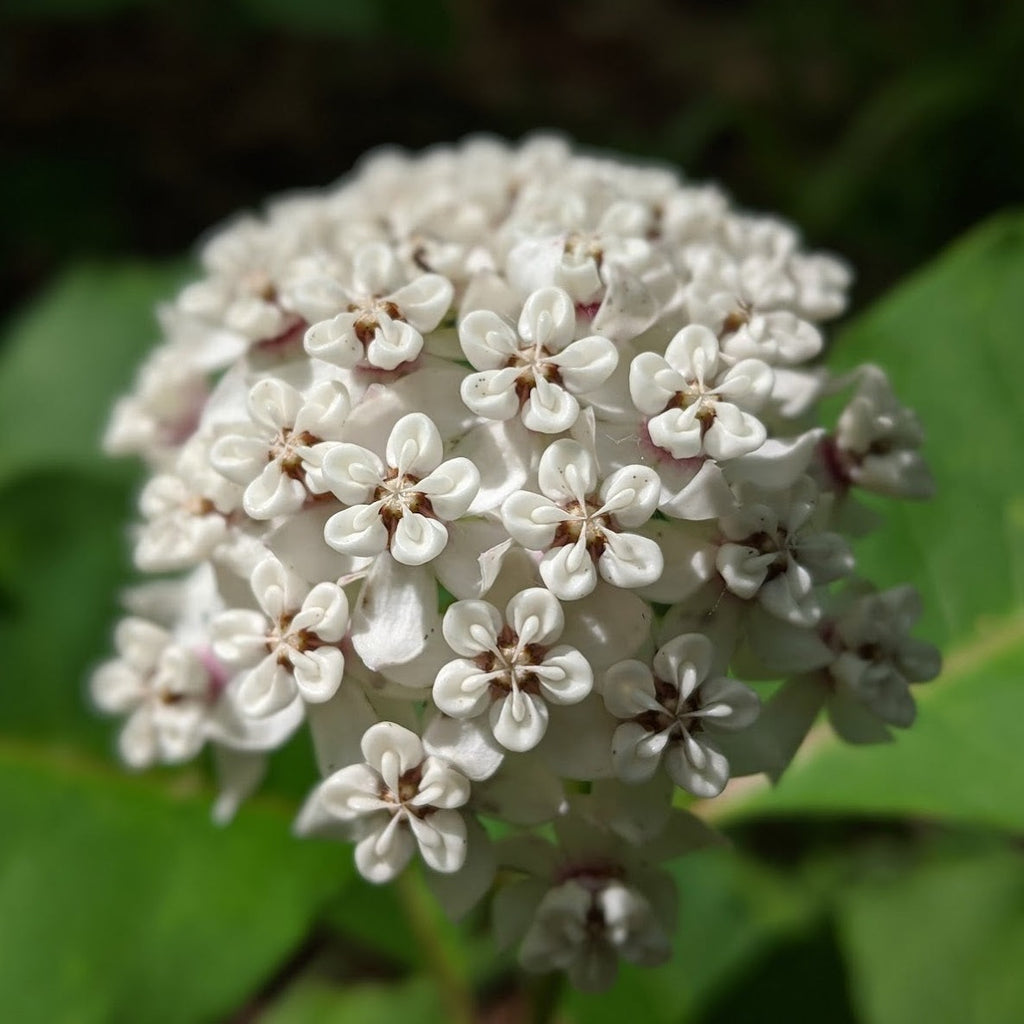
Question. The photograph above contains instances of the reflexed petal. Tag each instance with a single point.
(779, 462)
(525, 792)
(578, 742)
(467, 744)
(395, 617)
(459, 893)
(503, 453)
(704, 496)
(608, 624)
(337, 727)
(239, 774)
(689, 555)
(628, 307)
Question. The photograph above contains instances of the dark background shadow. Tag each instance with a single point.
(130, 126)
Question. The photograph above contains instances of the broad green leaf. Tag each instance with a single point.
(798, 980)
(952, 341)
(120, 902)
(62, 559)
(372, 917)
(65, 359)
(317, 1002)
(942, 944)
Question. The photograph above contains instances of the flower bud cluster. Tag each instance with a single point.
(497, 469)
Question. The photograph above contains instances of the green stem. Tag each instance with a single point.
(455, 990)
(545, 995)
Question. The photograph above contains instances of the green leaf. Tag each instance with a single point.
(943, 943)
(317, 1002)
(810, 964)
(62, 559)
(66, 358)
(952, 341)
(121, 902)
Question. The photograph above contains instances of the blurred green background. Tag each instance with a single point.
(880, 886)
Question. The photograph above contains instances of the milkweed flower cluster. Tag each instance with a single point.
(498, 469)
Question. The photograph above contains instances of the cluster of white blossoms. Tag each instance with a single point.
(497, 467)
